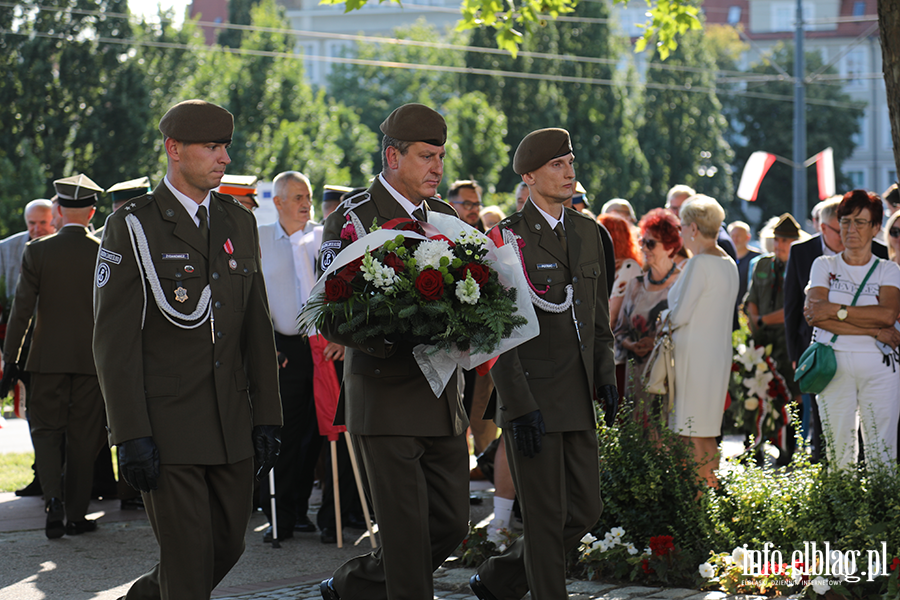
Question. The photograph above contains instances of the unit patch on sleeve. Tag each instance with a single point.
(110, 256)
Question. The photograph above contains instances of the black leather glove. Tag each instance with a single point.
(609, 395)
(139, 463)
(10, 376)
(266, 445)
(527, 431)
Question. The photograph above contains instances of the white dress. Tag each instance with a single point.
(701, 307)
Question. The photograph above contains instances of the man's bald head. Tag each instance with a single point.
(39, 218)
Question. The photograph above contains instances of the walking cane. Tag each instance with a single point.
(275, 542)
(337, 494)
(359, 487)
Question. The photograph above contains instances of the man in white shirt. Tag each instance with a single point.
(288, 249)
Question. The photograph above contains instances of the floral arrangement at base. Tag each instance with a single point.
(615, 557)
(759, 394)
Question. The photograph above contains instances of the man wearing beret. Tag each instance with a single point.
(65, 407)
(186, 357)
(546, 386)
(412, 443)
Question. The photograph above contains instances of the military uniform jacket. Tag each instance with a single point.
(766, 291)
(384, 390)
(56, 278)
(556, 372)
(198, 392)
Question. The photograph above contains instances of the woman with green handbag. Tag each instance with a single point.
(853, 299)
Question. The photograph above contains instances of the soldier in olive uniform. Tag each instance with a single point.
(412, 443)
(65, 406)
(186, 357)
(546, 386)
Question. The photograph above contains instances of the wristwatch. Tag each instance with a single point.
(842, 312)
(759, 322)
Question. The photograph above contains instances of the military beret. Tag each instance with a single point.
(416, 123)
(787, 227)
(125, 190)
(333, 193)
(77, 191)
(198, 122)
(539, 147)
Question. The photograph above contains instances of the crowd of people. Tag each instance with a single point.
(189, 360)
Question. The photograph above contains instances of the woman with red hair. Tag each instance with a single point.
(645, 298)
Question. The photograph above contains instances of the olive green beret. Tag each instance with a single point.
(540, 147)
(787, 227)
(198, 122)
(416, 123)
(77, 191)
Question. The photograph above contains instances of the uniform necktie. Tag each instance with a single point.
(561, 234)
(419, 214)
(204, 224)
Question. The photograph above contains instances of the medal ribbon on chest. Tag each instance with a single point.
(229, 249)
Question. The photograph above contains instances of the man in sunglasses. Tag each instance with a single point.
(797, 331)
(465, 196)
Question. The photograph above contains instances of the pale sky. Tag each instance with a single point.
(149, 8)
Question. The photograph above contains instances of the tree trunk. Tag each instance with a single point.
(889, 27)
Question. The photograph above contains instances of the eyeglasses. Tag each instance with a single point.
(858, 223)
(649, 244)
(837, 231)
(467, 205)
(894, 232)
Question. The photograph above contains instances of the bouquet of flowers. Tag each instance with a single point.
(759, 394)
(442, 284)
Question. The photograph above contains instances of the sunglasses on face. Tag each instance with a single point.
(648, 243)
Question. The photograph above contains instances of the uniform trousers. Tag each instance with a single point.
(420, 489)
(301, 443)
(199, 515)
(66, 411)
(559, 494)
(863, 392)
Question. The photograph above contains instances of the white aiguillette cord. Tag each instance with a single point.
(145, 266)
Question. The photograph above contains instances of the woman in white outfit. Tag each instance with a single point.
(701, 307)
(864, 388)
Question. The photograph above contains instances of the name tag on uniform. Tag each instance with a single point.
(176, 256)
(112, 257)
(540, 266)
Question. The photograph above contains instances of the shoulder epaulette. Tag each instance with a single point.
(353, 201)
(510, 220)
(229, 200)
(135, 204)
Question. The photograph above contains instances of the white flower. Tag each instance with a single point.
(618, 532)
(382, 276)
(631, 549)
(706, 570)
(820, 585)
(588, 539)
(751, 404)
(727, 560)
(430, 253)
(598, 544)
(749, 356)
(647, 550)
(604, 545)
(467, 290)
(795, 574)
(758, 385)
(610, 538)
(738, 555)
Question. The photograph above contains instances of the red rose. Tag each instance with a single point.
(480, 273)
(350, 271)
(430, 283)
(395, 262)
(661, 545)
(336, 289)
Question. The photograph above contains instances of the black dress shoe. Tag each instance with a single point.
(136, 503)
(282, 535)
(328, 535)
(356, 522)
(55, 514)
(327, 590)
(304, 525)
(480, 589)
(79, 527)
(32, 489)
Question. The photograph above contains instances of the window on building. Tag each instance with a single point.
(784, 15)
(859, 8)
(310, 65)
(854, 65)
(734, 15)
(860, 138)
(857, 179)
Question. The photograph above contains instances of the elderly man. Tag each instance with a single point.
(412, 442)
(546, 386)
(186, 357)
(288, 249)
(65, 407)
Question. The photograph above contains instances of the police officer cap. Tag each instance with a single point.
(77, 191)
(416, 123)
(198, 122)
(125, 190)
(540, 147)
(787, 227)
(333, 193)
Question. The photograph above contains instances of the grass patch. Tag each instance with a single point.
(15, 470)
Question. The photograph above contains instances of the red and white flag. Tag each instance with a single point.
(825, 173)
(756, 168)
